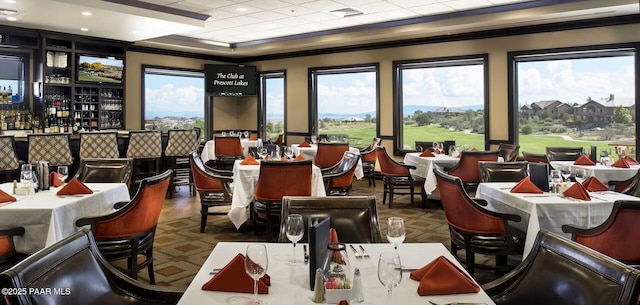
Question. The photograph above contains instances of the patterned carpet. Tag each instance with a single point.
(180, 249)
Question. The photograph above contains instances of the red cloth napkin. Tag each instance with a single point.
(343, 302)
(54, 179)
(526, 186)
(583, 160)
(631, 160)
(249, 160)
(594, 185)
(622, 163)
(233, 278)
(299, 157)
(577, 191)
(304, 144)
(253, 138)
(442, 277)
(74, 187)
(4, 197)
(427, 153)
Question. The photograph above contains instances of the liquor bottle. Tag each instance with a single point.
(3, 123)
(4, 95)
(9, 94)
(18, 122)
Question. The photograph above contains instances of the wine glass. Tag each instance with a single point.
(26, 181)
(395, 231)
(389, 272)
(313, 140)
(295, 231)
(63, 172)
(224, 133)
(288, 152)
(263, 152)
(580, 175)
(566, 172)
(246, 134)
(435, 147)
(255, 265)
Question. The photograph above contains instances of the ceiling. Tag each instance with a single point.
(261, 27)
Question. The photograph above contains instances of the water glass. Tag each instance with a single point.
(389, 272)
(580, 175)
(395, 231)
(63, 172)
(566, 172)
(294, 230)
(255, 265)
(288, 152)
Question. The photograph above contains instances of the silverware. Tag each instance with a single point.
(457, 303)
(364, 252)
(215, 271)
(357, 254)
(306, 254)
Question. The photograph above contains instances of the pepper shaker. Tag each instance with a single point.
(318, 296)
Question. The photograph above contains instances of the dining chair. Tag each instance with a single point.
(105, 170)
(508, 152)
(616, 237)
(502, 171)
(337, 179)
(276, 180)
(103, 144)
(227, 151)
(8, 254)
(397, 178)
(9, 162)
(476, 229)
(355, 218)
(467, 168)
(374, 142)
(180, 144)
(629, 186)
(446, 146)
(534, 158)
(145, 148)
(560, 271)
(564, 153)
(422, 145)
(329, 154)
(280, 140)
(53, 148)
(76, 269)
(369, 160)
(212, 185)
(129, 231)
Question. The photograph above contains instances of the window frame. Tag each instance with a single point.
(263, 76)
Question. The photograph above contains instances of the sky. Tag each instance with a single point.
(444, 86)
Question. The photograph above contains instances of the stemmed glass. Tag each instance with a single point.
(435, 147)
(395, 231)
(566, 172)
(255, 265)
(295, 231)
(580, 175)
(63, 172)
(263, 152)
(288, 152)
(26, 180)
(246, 134)
(389, 272)
(224, 133)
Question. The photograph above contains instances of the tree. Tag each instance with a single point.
(423, 119)
(526, 129)
(367, 118)
(622, 115)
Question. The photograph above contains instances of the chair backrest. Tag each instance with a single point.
(508, 152)
(345, 168)
(355, 218)
(181, 142)
(617, 237)
(49, 147)
(105, 170)
(446, 146)
(564, 153)
(7, 247)
(283, 178)
(329, 154)
(374, 142)
(201, 178)
(422, 145)
(144, 144)
(534, 158)
(467, 167)
(279, 140)
(631, 188)
(502, 171)
(8, 156)
(99, 145)
(228, 147)
(388, 166)
(562, 272)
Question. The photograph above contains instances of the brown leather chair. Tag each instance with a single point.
(75, 268)
(374, 142)
(534, 158)
(422, 145)
(396, 177)
(129, 231)
(227, 150)
(630, 186)
(337, 179)
(617, 237)
(9, 162)
(476, 229)
(502, 171)
(467, 168)
(562, 272)
(369, 159)
(109, 170)
(329, 154)
(213, 187)
(8, 254)
(564, 153)
(280, 140)
(508, 152)
(355, 218)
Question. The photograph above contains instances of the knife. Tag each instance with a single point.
(306, 254)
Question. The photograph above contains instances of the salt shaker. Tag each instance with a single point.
(318, 296)
(356, 288)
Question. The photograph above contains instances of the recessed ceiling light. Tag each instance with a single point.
(135, 32)
(12, 18)
(86, 13)
(84, 29)
(10, 1)
(241, 9)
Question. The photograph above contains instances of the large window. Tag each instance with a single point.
(345, 103)
(272, 101)
(173, 99)
(441, 99)
(576, 97)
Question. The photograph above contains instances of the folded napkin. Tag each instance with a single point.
(442, 277)
(427, 153)
(474, 149)
(299, 157)
(594, 185)
(249, 160)
(304, 144)
(343, 302)
(4, 197)
(577, 191)
(54, 179)
(622, 163)
(583, 160)
(253, 138)
(526, 186)
(74, 187)
(631, 160)
(233, 278)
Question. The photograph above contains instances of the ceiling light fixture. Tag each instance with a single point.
(86, 14)
(7, 12)
(241, 9)
(215, 43)
(84, 29)
(12, 18)
(346, 12)
(10, 1)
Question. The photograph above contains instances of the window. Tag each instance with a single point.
(345, 103)
(441, 99)
(13, 78)
(173, 99)
(272, 101)
(576, 97)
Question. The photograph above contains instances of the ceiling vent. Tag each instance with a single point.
(346, 12)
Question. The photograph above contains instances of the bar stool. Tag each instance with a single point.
(99, 145)
(53, 148)
(9, 163)
(145, 148)
(180, 145)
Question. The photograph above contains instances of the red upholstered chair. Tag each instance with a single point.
(630, 186)
(337, 179)
(534, 158)
(467, 168)
(129, 232)
(617, 237)
(279, 141)
(369, 159)
(508, 152)
(213, 187)
(276, 180)
(227, 150)
(8, 255)
(475, 229)
(396, 177)
(329, 154)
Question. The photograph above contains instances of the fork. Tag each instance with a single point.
(457, 303)
(357, 254)
(364, 252)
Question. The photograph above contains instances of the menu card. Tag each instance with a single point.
(318, 241)
(539, 173)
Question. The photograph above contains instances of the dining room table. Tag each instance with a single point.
(48, 218)
(548, 211)
(425, 165)
(209, 149)
(290, 284)
(600, 171)
(309, 153)
(245, 178)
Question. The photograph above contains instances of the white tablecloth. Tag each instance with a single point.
(48, 218)
(244, 180)
(309, 153)
(548, 211)
(425, 165)
(209, 149)
(290, 284)
(603, 173)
